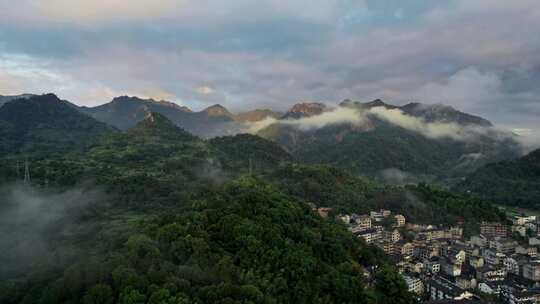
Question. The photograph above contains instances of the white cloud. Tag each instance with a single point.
(139, 47)
(335, 116)
(338, 115)
(468, 89)
(204, 90)
(361, 118)
(528, 138)
(416, 124)
(183, 12)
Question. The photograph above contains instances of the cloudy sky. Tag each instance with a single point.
(481, 56)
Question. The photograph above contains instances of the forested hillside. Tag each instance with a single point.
(242, 243)
(326, 186)
(513, 183)
(372, 144)
(154, 214)
(45, 124)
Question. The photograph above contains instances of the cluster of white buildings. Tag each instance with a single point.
(438, 264)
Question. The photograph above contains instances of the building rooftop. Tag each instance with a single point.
(446, 286)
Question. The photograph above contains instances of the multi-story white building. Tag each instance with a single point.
(493, 229)
(480, 241)
(527, 250)
(400, 220)
(491, 288)
(511, 265)
(503, 245)
(491, 256)
(370, 235)
(392, 235)
(406, 249)
(476, 262)
(433, 265)
(380, 215)
(415, 285)
(442, 289)
(491, 273)
(387, 247)
(362, 221)
(522, 220)
(451, 267)
(531, 271)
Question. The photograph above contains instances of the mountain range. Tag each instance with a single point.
(415, 141)
(125, 112)
(4, 99)
(152, 213)
(410, 143)
(45, 123)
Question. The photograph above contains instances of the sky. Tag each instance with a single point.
(480, 56)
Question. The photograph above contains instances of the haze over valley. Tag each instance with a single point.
(228, 152)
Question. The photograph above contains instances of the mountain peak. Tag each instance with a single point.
(378, 103)
(46, 102)
(135, 99)
(443, 113)
(124, 98)
(305, 109)
(217, 110)
(45, 97)
(46, 123)
(366, 105)
(156, 125)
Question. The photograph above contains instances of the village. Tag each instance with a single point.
(439, 264)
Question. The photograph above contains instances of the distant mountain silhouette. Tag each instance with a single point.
(46, 123)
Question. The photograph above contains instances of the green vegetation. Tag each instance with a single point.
(326, 186)
(44, 125)
(514, 183)
(243, 243)
(166, 231)
(235, 152)
(178, 219)
(368, 151)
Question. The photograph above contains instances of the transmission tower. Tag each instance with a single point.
(26, 173)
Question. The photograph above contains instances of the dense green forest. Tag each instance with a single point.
(513, 183)
(326, 186)
(368, 151)
(155, 215)
(243, 242)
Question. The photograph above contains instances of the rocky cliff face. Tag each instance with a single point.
(305, 109)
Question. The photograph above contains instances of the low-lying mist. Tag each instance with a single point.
(33, 221)
(339, 115)
(395, 176)
(363, 117)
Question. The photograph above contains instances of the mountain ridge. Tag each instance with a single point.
(380, 145)
(43, 122)
(509, 182)
(368, 150)
(305, 109)
(4, 99)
